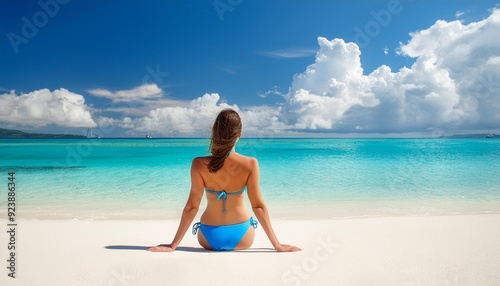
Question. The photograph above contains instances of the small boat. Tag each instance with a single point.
(148, 136)
(90, 135)
(490, 135)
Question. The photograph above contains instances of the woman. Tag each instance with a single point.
(226, 223)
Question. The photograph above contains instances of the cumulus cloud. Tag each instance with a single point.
(193, 119)
(44, 107)
(196, 118)
(320, 96)
(454, 83)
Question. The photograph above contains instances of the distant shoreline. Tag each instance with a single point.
(16, 134)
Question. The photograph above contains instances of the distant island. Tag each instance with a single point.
(464, 136)
(16, 134)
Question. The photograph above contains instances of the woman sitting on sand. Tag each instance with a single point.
(226, 223)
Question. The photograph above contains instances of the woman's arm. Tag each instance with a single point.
(260, 209)
(190, 210)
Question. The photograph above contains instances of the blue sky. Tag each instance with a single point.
(127, 66)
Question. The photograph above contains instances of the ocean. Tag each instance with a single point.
(300, 178)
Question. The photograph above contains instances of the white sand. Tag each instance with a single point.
(404, 250)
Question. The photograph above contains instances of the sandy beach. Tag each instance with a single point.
(399, 250)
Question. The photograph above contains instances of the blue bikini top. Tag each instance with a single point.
(224, 194)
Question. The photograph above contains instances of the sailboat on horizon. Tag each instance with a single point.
(148, 136)
(90, 135)
(490, 135)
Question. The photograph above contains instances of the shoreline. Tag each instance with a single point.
(284, 211)
(399, 250)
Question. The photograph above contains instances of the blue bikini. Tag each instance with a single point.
(224, 237)
(223, 194)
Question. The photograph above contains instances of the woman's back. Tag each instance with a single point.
(226, 223)
(225, 189)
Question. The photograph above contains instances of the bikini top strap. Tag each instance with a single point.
(224, 194)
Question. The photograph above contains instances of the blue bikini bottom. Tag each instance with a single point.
(224, 237)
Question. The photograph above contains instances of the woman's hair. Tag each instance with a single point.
(225, 133)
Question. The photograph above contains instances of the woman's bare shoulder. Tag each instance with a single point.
(248, 160)
(201, 161)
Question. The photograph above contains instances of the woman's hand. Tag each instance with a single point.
(287, 248)
(162, 248)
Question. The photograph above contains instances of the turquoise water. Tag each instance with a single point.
(139, 178)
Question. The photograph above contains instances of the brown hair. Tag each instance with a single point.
(225, 133)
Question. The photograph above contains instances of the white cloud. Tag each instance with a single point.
(43, 107)
(289, 53)
(231, 69)
(137, 101)
(105, 122)
(197, 117)
(321, 95)
(191, 120)
(453, 84)
(465, 56)
(275, 90)
(143, 92)
(261, 121)
(140, 108)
